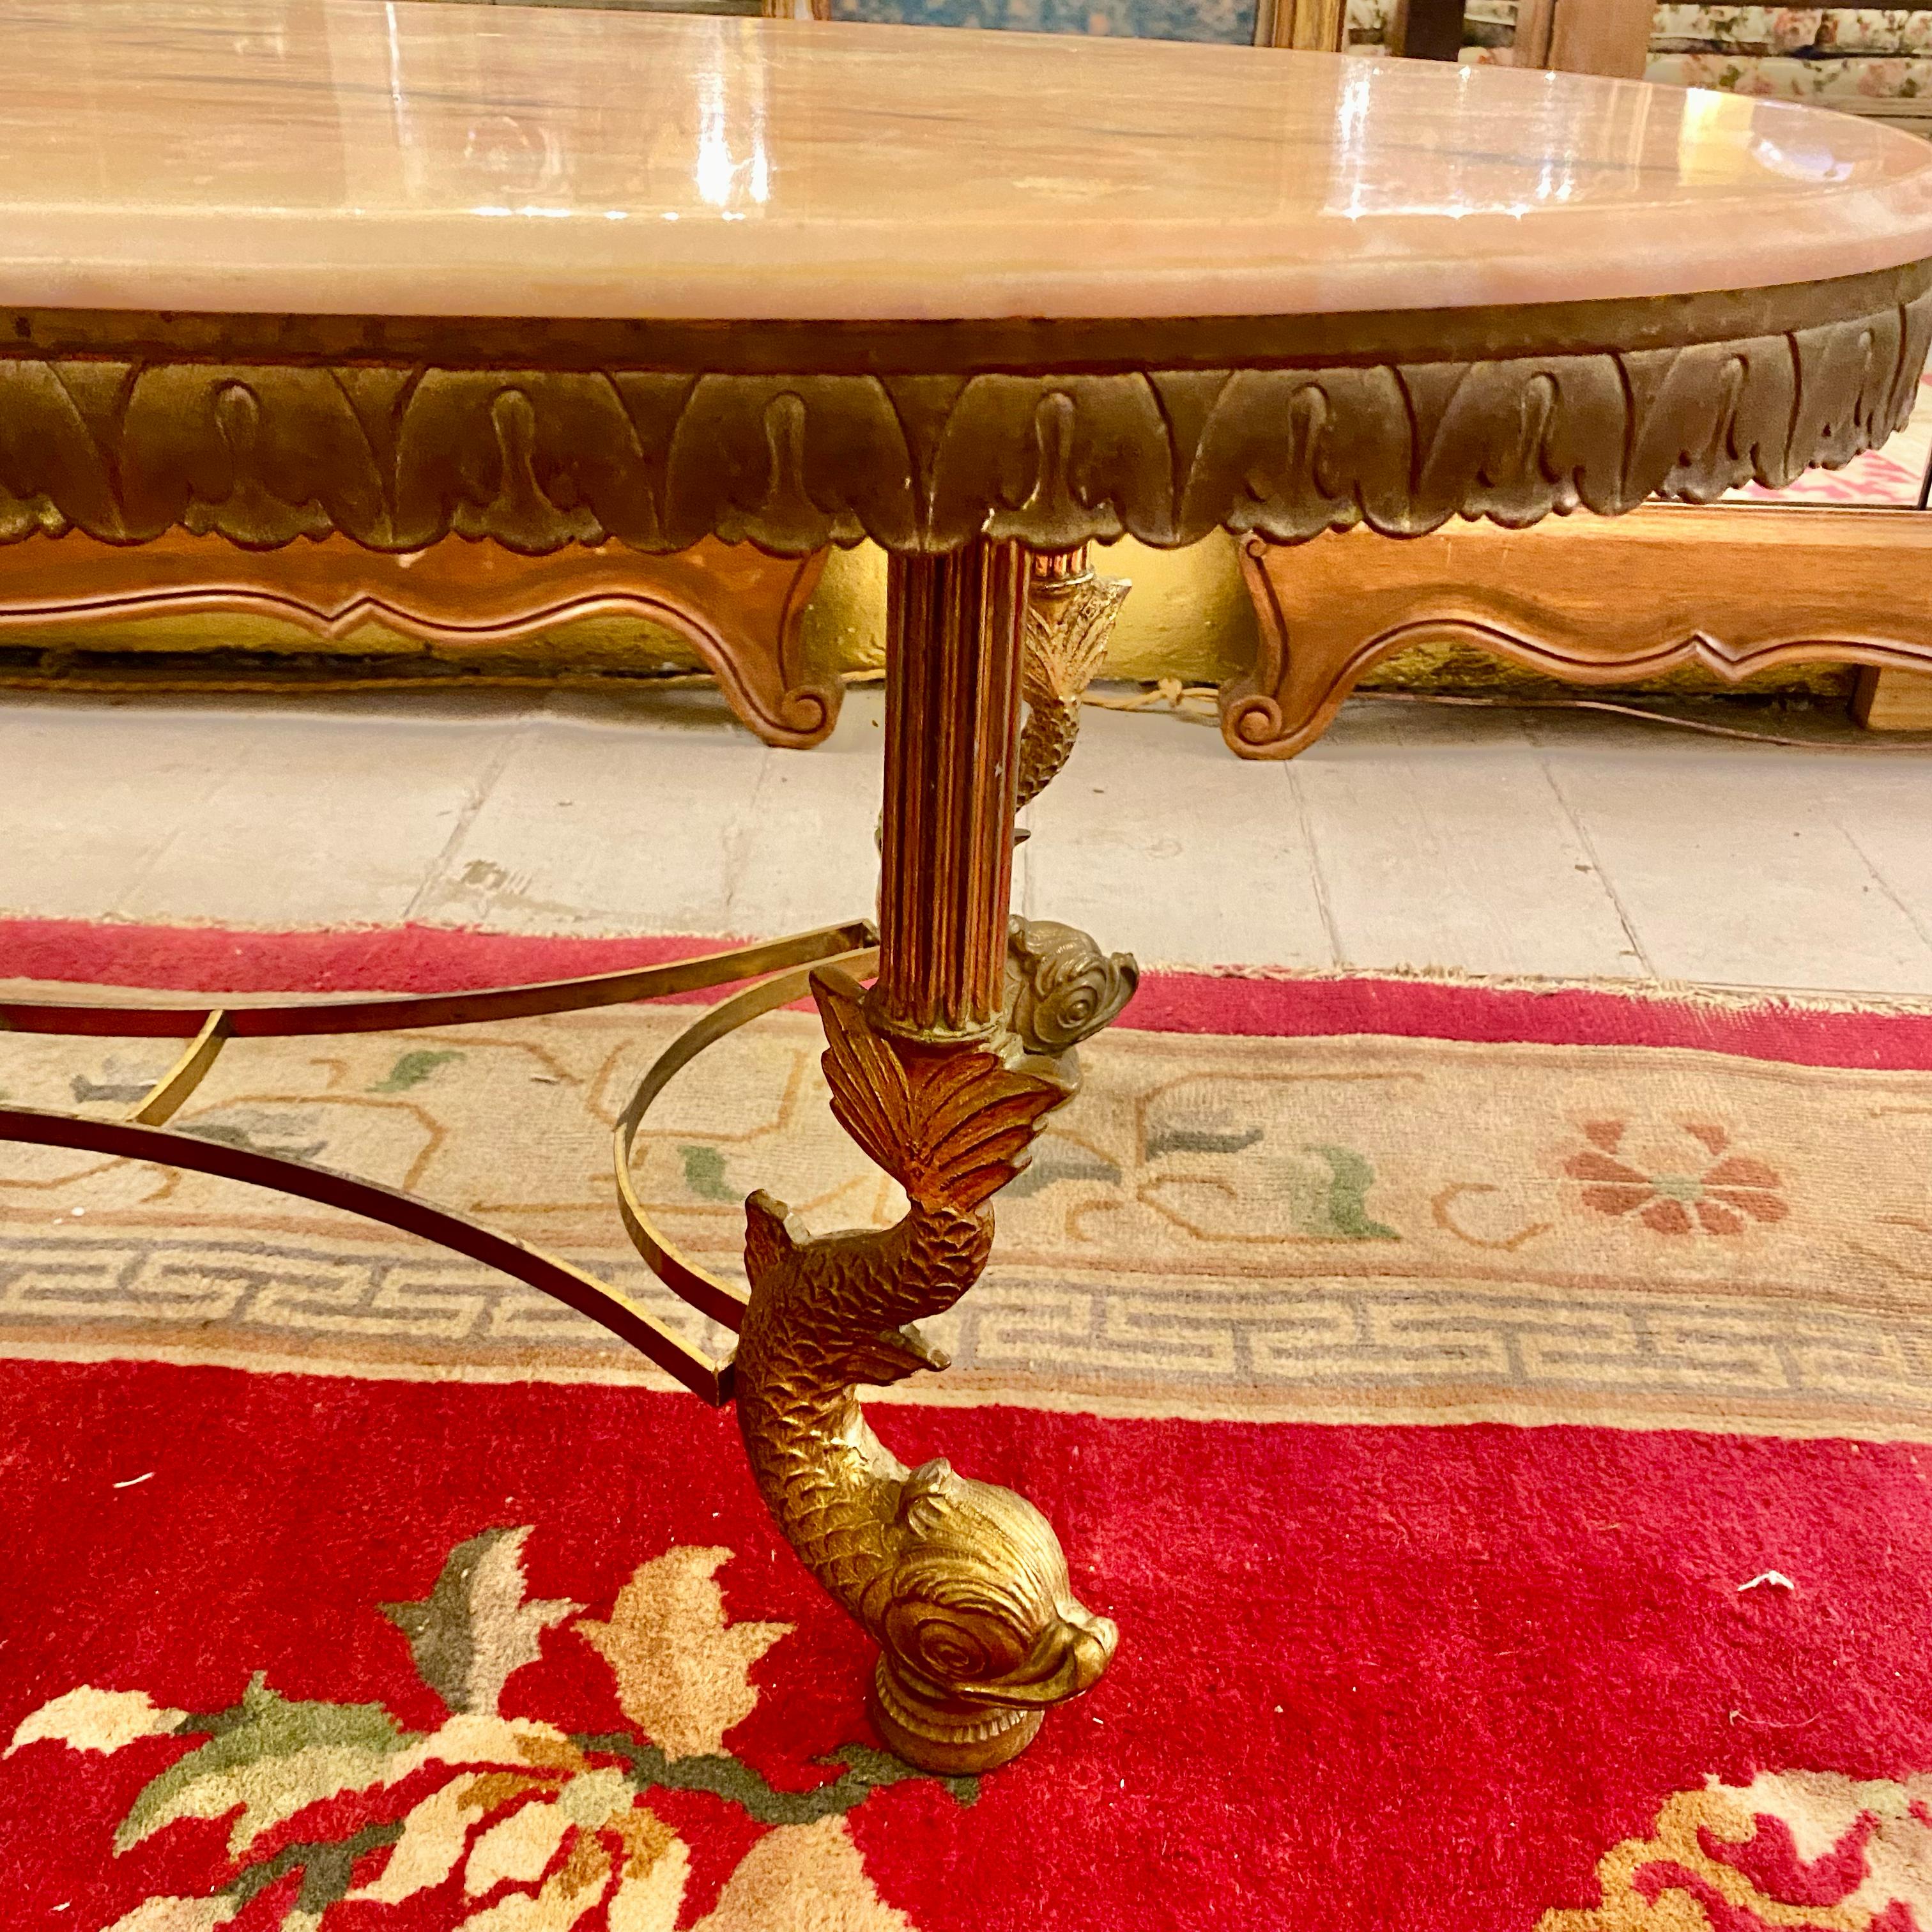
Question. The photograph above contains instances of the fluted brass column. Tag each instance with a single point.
(954, 626)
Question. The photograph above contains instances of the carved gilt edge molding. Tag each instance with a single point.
(395, 457)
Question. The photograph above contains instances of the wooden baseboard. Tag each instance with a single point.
(1734, 589)
(1894, 700)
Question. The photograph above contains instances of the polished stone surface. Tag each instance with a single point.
(347, 157)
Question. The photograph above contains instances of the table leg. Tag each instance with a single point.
(944, 1073)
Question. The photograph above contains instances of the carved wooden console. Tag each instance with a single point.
(1590, 602)
(740, 608)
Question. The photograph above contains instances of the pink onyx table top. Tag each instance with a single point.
(344, 157)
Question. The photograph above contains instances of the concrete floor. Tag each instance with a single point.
(1498, 842)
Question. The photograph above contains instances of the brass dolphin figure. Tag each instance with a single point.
(962, 1584)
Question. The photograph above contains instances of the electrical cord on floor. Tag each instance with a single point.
(1198, 704)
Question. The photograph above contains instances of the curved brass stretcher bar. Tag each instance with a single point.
(778, 968)
(271, 1019)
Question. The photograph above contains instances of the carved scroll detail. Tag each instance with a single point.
(741, 610)
(1732, 591)
(1061, 988)
(396, 455)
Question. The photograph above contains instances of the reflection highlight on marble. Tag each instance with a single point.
(347, 157)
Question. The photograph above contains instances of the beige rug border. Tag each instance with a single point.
(1410, 1406)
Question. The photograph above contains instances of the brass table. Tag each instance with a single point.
(346, 271)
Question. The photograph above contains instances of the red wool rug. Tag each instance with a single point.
(1498, 1419)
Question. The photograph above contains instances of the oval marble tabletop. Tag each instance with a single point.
(552, 277)
(344, 157)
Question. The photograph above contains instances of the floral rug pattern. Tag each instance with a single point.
(499, 1824)
(1793, 1852)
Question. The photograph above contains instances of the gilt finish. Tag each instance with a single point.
(1070, 614)
(126, 428)
(962, 1584)
(943, 1073)
(1061, 988)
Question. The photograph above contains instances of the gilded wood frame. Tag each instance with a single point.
(739, 608)
(397, 433)
(1590, 602)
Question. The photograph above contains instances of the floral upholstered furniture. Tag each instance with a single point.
(1873, 61)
